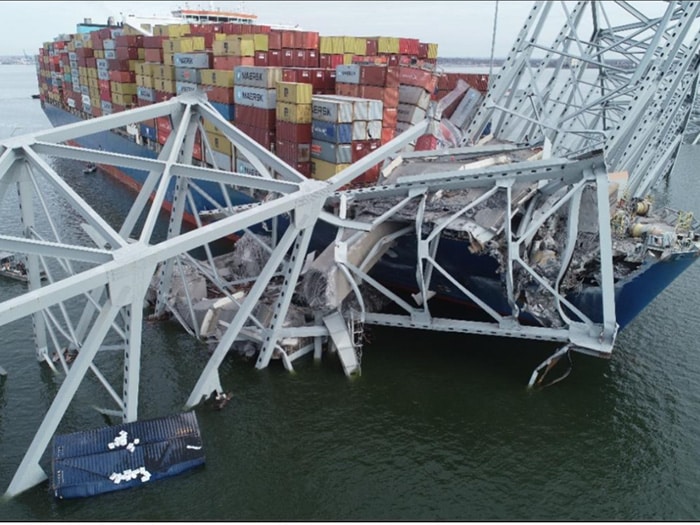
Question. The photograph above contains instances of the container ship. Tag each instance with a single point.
(284, 88)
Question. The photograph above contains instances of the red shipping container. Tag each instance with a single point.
(274, 40)
(122, 76)
(422, 50)
(260, 58)
(387, 135)
(96, 111)
(347, 90)
(105, 94)
(331, 61)
(163, 124)
(426, 143)
(287, 57)
(393, 60)
(408, 46)
(293, 152)
(162, 136)
(257, 117)
(153, 55)
(373, 75)
(105, 33)
(84, 52)
(306, 40)
(117, 65)
(197, 150)
(418, 77)
(154, 42)
(299, 59)
(204, 29)
(290, 132)
(388, 96)
(91, 62)
(312, 58)
(362, 148)
(220, 94)
(127, 53)
(274, 58)
(264, 137)
(389, 117)
(116, 108)
(392, 77)
(141, 102)
(289, 74)
(228, 63)
(371, 47)
(129, 41)
(288, 39)
(82, 62)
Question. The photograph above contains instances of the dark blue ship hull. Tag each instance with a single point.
(477, 273)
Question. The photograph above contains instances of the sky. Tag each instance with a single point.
(461, 29)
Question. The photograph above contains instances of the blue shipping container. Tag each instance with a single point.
(148, 132)
(329, 132)
(226, 110)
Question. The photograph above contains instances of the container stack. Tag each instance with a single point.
(341, 125)
(293, 127)
(255, 96)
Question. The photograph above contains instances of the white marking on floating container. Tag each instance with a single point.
(102, 74)
(102, 63)
(257, 77)
(349, 74)
(255, 97)
(109, 44)
(414, 95)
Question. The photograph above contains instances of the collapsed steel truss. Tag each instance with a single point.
(111, 274)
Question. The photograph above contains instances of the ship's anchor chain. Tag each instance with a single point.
(539, 374)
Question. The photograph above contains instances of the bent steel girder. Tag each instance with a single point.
(108, 272)
(597, 85)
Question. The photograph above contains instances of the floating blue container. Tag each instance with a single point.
(124, 456)
(329, 132)
(226, 110)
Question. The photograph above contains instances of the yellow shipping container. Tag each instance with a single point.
(260, 42)
(184, 45)
(125, 88)
(164, 72)
(82, 71)
(168, 86)
(347, 58)
(432, 50)
(242, 46)
(294, 113)
(322, 170)
(94, 94)
(99, 53)
(294, 92)
(92, 72)
(349, 43)
(168, 59)
(134, 65)
(325, 45)
(220, 143)
(174, 30)
(211, 128)
(122, 99)
(388, 44)
(92, 83)
(217, 77)
(147, 82)
(142, 53)
(360, 46)
(146, 69)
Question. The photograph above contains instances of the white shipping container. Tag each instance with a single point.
(255, 97)
(184, 87)
(414, 95)
(349, 74)
(329, 109)
(410, 114)
(259, 77)
(374, 129)
(218, 159)
(109, 44)
(102, 74)
(86, 100)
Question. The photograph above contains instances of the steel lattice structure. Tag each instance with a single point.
(630, 118)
